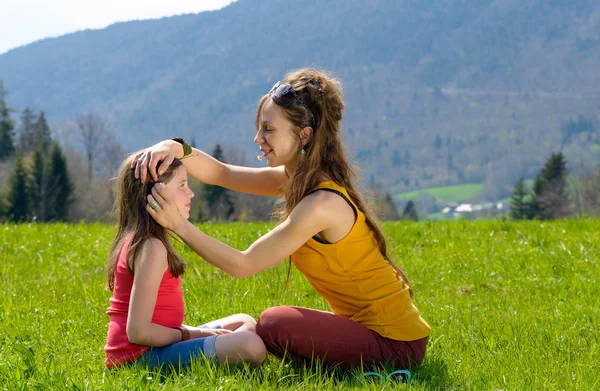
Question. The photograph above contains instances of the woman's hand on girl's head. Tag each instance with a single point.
(163, 210)
(146, 161)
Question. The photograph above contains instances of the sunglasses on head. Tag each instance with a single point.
(283, 94)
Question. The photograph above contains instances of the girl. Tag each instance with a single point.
(327, 229)
(147, 309)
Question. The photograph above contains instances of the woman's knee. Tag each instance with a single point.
(271, 320)
(278, 327)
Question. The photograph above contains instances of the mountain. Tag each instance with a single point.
(438, 92)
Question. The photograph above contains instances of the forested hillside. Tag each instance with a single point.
(438, 92)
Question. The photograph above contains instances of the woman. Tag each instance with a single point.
(144, 274)
(326, 228)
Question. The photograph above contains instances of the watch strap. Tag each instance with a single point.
(187, 149)
(185, 333)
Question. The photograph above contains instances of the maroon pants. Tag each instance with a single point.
(304, 334)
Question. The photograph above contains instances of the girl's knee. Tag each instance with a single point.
(240, 347)
(252, 349)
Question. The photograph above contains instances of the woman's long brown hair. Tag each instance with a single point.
(324, 153)
(134, 221)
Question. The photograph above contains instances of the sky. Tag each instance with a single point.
(26, 21)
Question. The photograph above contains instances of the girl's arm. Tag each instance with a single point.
(262, 181)
(308, 218)
(150, 266)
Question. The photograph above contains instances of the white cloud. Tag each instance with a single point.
(26, 21)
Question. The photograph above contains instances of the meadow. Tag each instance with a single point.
(456, 193)
(513, 306)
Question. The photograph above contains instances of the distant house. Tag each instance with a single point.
(471, 211)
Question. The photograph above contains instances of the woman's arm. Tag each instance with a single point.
(308, 218)
(262, 181)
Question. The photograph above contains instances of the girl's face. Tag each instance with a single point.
(276, 137)
(177, 189)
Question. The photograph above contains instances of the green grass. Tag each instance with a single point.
(513, 306)
(445, 193)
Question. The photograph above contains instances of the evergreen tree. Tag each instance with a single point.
(550, 198)
(37, 185)
(217, 203)
(2, 212)
(538, 188)
(519, 205)
(27, 131)
(7, 146)
(410, 212)
(396, 159)
(437, 143)
(59, 188)
(16, 199)
(41, 133)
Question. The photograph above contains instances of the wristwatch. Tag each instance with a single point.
(185, 333)
(187, 149)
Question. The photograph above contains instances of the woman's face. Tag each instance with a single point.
(177, 189)
(276, 136)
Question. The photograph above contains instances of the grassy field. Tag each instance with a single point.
(445, 193)
(513, 306)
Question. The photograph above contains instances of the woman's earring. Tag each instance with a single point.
(303, 151)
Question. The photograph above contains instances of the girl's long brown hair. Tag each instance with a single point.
(324, 153)
(134, 221)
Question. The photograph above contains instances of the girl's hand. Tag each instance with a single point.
(203, 333)
(163, 210)
(146, 161)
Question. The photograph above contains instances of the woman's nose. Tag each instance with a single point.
(258, 138)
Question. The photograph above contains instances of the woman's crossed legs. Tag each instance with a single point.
(305, 334)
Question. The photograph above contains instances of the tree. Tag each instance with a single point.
(550, 200)
(519, 204)
(2, 212)
(573, 128)
(112, 153)
(385, 208)
(217, 203)
(36, 188)
(27, 131)
(248, 207)
(7, 146)
(410, 212)
(91, 129)
(59, 188)
(437, 143)
(396, 158)
(41, 133)
(586, 191)
(16, 199)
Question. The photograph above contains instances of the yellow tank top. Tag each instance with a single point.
(357, 282)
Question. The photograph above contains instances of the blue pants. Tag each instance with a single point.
(180, 353)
